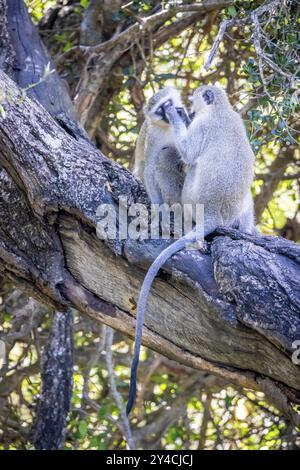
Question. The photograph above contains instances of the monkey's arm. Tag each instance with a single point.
(153, 189)
(187, 143)
(179, 131)
(151, 184)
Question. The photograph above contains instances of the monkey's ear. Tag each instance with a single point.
(208, 97)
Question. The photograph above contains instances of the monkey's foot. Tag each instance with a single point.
(199, 245)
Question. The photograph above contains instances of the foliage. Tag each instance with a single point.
(37, 8)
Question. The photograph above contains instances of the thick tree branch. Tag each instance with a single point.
(57, 384)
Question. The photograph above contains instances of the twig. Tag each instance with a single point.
(93, 360)
(261, 56)
(145, 386)
(257, 45)
(224, 25)
(205, 420)
(113, 388)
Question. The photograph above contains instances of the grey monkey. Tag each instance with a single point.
(219, 158)
(157, 162)
(219, 175)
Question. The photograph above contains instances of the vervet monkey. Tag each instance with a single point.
(219, 175)
(157, 162)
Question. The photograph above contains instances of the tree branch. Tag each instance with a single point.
(226, 24)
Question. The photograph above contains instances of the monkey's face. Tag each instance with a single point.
(160, 110)
(156, 107)
(203, 97)
(156, 115)
(207, 97)
(161, 117)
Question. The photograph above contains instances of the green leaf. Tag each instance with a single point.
(82, 428)
(102, 412)
(232, 11)
(84, 3)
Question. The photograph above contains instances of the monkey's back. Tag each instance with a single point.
(223, 174)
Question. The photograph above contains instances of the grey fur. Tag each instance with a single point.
(157, 162)
(219, 161)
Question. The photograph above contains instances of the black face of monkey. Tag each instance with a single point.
(161, 112)
(208, 97)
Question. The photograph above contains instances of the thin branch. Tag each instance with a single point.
(223, 27)
(113, 388)
(261, 56)
(92, 361)
(227, 24)
(205, 420)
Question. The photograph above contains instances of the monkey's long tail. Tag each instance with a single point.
(178, 245)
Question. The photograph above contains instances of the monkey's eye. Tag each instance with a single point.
(160, 112)
(208, 97)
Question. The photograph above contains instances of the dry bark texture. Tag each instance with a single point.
(57, 385)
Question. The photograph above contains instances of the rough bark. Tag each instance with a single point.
(25, 58)
(233, 312)
(29, 62)
(57, 385)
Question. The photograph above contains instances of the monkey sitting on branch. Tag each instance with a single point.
(157, 161)
(219, 174)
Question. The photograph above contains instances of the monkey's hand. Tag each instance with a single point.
(170, 111)
(179, 129)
